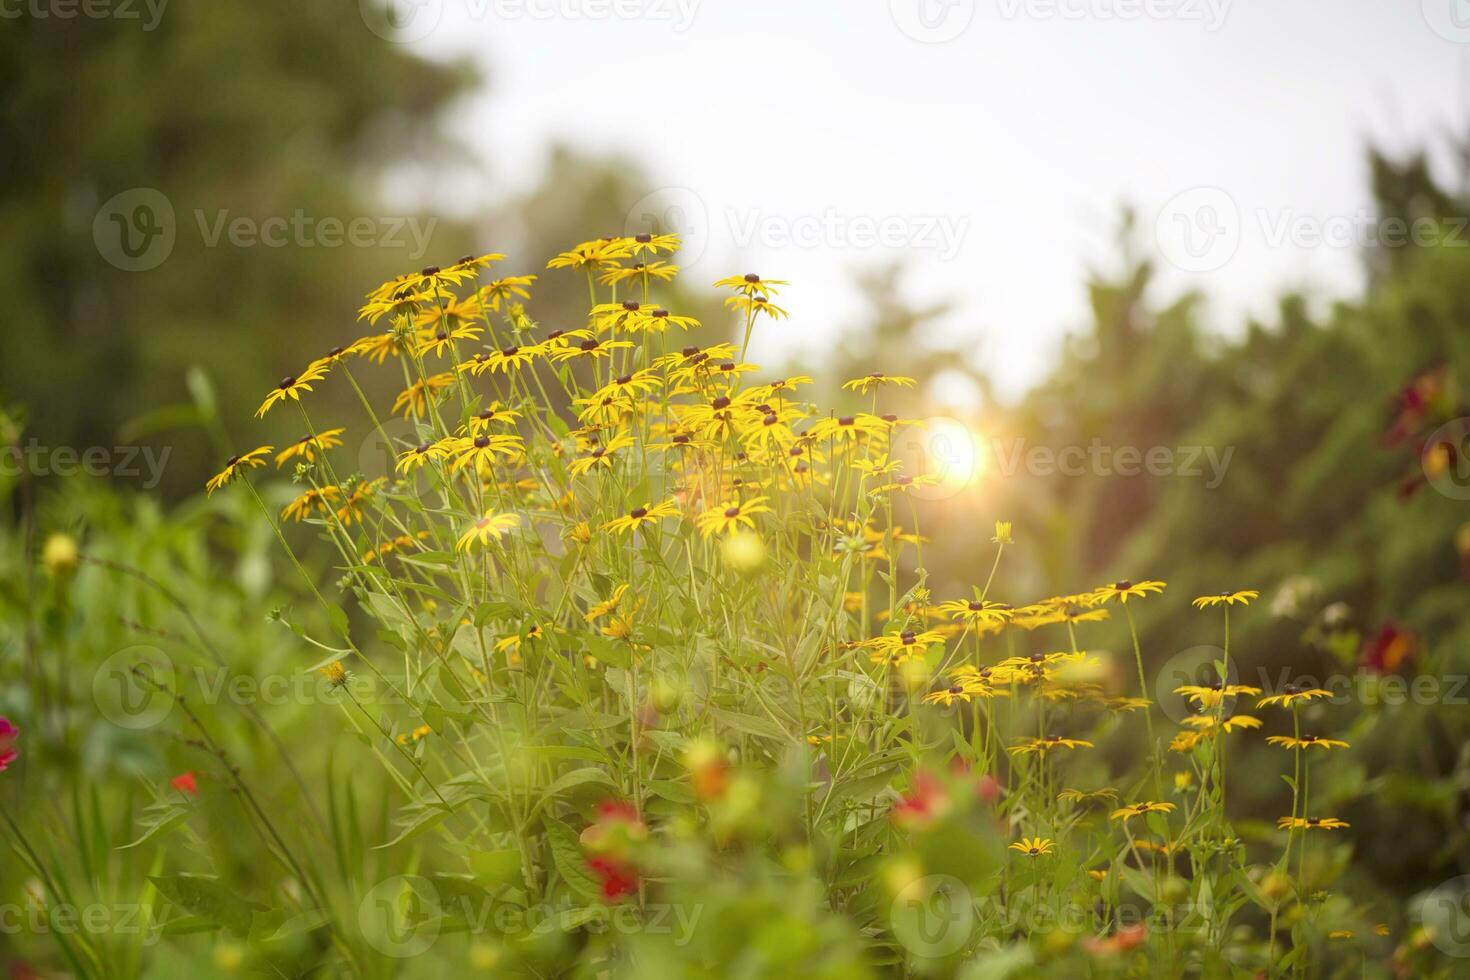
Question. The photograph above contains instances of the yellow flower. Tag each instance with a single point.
(1210, 695)
(414, 400)
(1228, 598)
(505, 290)
(421, 732)
(1124, 590)
(503, 361)
(1136, 809)
(905, 484)
(1311, 823)
(751, 284)
(291, 387)
(651, 244)
(1032, 846)
(731, 516)
(1305, 742)
(438, 341)
(662, 271)
(867, 383)
(1041, 746)
(308, 446)
(235, 465)
(755, 305)
(601, 253)
(335, 673)
(419, 455)
(1088, 797)
(607, 606)
(639, 516)
(1002, 533)
(486, 529)
(482, 450)
(1290, 695)
(311, 502)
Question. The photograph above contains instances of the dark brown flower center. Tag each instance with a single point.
(719, 403)
(481, 442)
(286, 382)
(846, 420)
(752, 277)
(732, 511)
(638, 513)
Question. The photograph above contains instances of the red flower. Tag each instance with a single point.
(1390, 650)
(8, 734)
(615, 878)
(927, 800)
(184, 783)
(611, 839)
(1129, 937)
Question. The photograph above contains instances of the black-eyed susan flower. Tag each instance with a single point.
(424, 452)
(731, 516)
(1242, 597)
(905, 485)
(379, 346)
(1311, 823)
(496, 414)
(847, 428)
(1124, 590)
(440, 341)
(753, 306)
(607, 606)
(505, 290)
(1088, 798)
(235, 465)
(482, 449)
(641, 517)
(643, 273)
(652, 244)
(588, 348)
(868, 382)
(903, 645)
(600, 457)
(309, 445)
(1305, 742)
(977, 612)
(291, 387)
(1210, 695)
(1033, 846)
(449, 313)
(414, 400)
(314, 501)
(1045, 744)
(751, 284)
(1291, 695)
(596, 254)
(1139, 809)
(510, 358)
(490, 527)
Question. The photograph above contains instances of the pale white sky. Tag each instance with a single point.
(988, 142)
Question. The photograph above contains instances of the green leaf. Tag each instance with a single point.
(566, 852)
(209, 899)
(567, 920)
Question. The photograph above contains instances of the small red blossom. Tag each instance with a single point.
(1125, 939)
(615, 879)
(1390, 650)
(184, 783)
(926, 801)
(8, 735)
